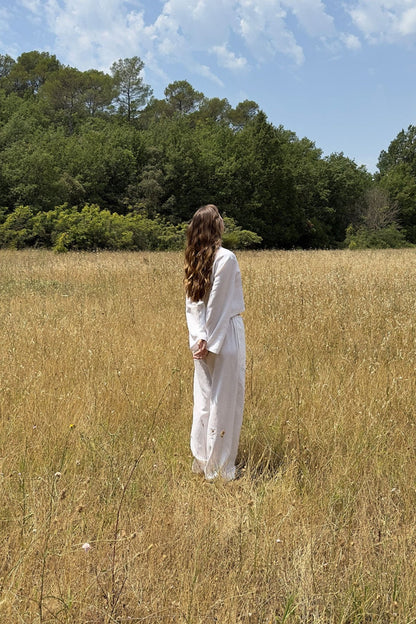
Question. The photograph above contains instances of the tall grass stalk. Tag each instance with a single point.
(96, 405)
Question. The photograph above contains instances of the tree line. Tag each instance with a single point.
(90, 159)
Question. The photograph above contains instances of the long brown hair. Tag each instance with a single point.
(203, 237)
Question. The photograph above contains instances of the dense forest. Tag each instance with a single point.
(92, 160)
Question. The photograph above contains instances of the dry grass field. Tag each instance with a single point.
(102, 520)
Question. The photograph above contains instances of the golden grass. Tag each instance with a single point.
(96, 401)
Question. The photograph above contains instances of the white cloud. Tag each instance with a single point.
(202, 23)
(35, 6)
(407, 24)
(206, 37)
(263, 28)
(184, 29)
(97, 32)
(350, 41)
(388, 21)
(94, 33)
(227, 58)
(312, 16)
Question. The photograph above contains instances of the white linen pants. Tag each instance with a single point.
(219, 381)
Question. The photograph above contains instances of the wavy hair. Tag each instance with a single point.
(203, 237)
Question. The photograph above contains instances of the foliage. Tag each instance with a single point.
(376, 225)
(86, 138)
(182, 98)
(71, 96)
(398, 178)
(67, 228)
(16, 229)
(383, 238)
(28, 73)
(132, 92)
(236, 238)
(401, 150)
(90, 228)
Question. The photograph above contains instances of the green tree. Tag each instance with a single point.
(133, 93)
(98, 91)
(397, 176)
(243, 113)
(30, 72)
(72, 95)
(263, 198)
(214, 109)
(100, 162)
(347, 184)
(9, 105)
(150, 190)
(182, 98)
(315, 217)
(400, 183)
(64, 93)
(29, 172)
(402, 150)
(6, 66)
(155, 112)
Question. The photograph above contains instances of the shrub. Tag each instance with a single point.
(236, 238)
(364, 238)
(69, 228)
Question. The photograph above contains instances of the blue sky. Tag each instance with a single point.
(342, 73)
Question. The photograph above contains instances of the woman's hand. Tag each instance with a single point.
(202, 350)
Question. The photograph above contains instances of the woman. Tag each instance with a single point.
(214, 303)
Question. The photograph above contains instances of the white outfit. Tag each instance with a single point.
(219, 378)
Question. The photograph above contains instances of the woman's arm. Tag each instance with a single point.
(196, 321)
(219, 304)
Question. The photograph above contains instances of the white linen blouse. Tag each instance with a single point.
(209, 318)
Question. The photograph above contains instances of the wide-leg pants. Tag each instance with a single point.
(219, 381)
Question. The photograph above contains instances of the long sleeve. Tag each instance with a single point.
(224, 301)
(195, 318)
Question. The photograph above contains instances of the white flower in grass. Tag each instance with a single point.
(86, 547)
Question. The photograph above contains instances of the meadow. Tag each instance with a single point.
(101, 519)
